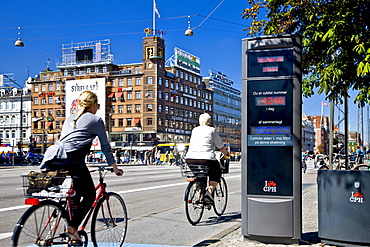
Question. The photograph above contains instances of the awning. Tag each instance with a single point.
(137, 120)
(111, 95)
(119, 95)
(49, 123)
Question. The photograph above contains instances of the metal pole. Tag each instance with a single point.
(346, 130)
(21, 125)
(331, 133)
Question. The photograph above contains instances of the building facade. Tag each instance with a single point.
(15, 117)
(226, 108)
(308, 134)
(145, 101)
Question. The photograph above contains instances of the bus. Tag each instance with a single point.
(181, 148)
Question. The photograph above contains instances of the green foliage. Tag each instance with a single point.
(335, 41)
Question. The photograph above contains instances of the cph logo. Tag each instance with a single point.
(356, 197)
(270, 186)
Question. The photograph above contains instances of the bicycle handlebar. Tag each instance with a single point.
(103, 168)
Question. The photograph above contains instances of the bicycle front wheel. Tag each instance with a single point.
(194, 207)
(109, 221)
(41, 225)
(220, 197)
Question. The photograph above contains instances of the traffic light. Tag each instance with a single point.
(155, 141)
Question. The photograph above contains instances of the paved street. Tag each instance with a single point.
(154, 198)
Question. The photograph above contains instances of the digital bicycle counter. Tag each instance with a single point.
(271, 139)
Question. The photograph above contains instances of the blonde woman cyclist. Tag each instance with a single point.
(79, 130)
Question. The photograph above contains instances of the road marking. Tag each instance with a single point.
(6, 235)
(161, 186)
(13, 208)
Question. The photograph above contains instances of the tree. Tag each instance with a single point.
(335, 41)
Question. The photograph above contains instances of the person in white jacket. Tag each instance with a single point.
(203, 142)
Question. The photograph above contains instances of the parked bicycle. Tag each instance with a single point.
(196, 190)
(45, 222)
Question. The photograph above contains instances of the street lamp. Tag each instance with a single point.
(19, 42)
(189, 31)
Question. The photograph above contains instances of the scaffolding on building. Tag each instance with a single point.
(83, 53)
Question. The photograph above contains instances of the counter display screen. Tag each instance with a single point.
(270, 101)
(270, 130)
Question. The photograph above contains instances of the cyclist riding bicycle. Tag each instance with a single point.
(68, 154)
(203, 142)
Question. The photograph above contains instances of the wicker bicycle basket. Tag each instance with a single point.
(199, 171)
(43, 184)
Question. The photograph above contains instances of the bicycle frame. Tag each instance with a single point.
(101, 189)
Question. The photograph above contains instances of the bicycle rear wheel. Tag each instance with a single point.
(109, 221)
(194, 206)
(220, 197)
(41, 225)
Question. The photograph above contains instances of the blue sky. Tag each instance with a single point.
(46, 25)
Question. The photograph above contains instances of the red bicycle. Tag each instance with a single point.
(44, 223)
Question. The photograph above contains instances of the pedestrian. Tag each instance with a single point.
(78, 132)
(126, 157)
(158, 158)
(359, 155)
(118, 156)
(304, 158)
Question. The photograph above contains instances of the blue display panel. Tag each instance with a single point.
(270, 137)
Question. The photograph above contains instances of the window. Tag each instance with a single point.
(167, 96)
(88, 70)
(35, 113)
(150, 80)
(65, 73)
(58, 86)
(160, 108)
(129, 95)
(137, 70)
(191, 90)
(182, 88)
(149, 107)
(43, 101)
(96, 69)
(160, 81)
(160, 94)
(172, 85)
(105, 69)
(36, 88)
(35, 101)
(190, 102)
(138, 81)
(186, 89)
(112, 82)
(43, 88)
(120, 109)
(167, 85)
(129, 81)
(186, 76)
(129, 121)
(57, 112)
(120, 82)
(120, 122)
(57, 125)
(177, 86)
(50, 99)
(50, 112)
(137, 108)
(149, 121)
(129, 108)
(167, 109)
(50, 87)
(172, 112)
(137, 94)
